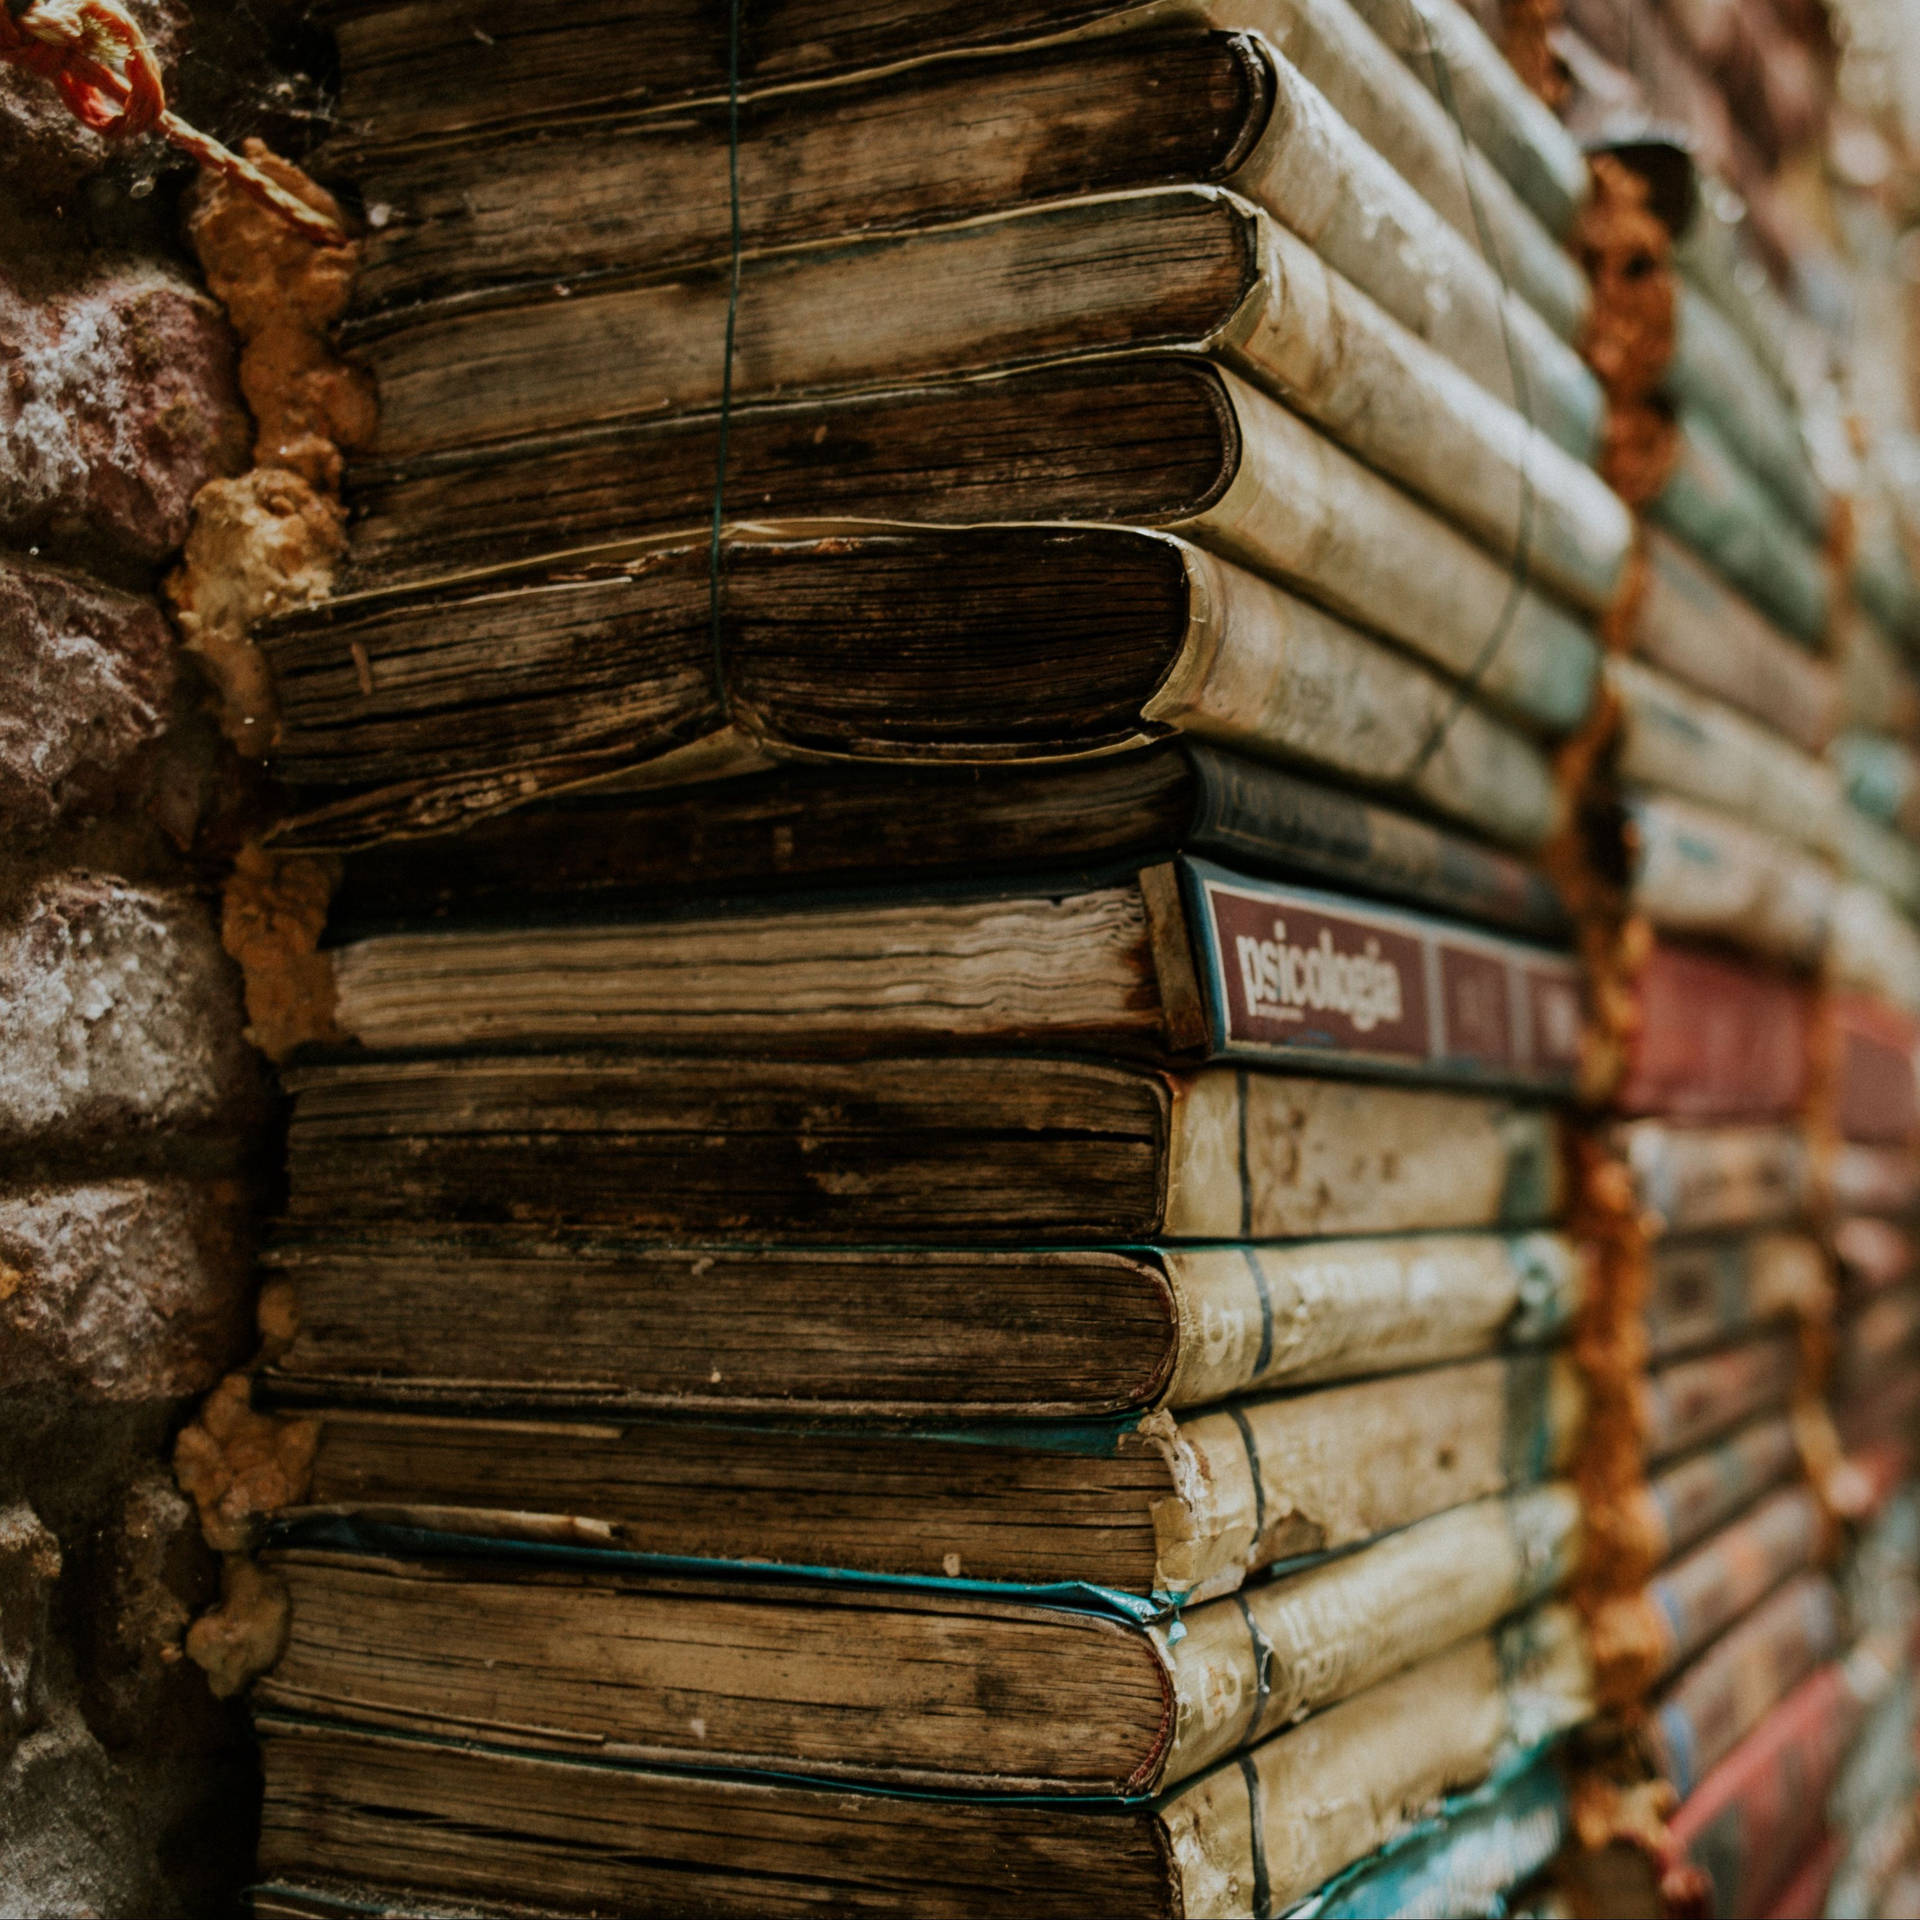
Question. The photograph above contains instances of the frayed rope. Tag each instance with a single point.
(106, 73)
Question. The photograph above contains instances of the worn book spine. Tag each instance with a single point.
(1188, 959)
(1690, 623)
(1470, 1857)
(1678, 742)
(1266, 1156)
(1258, 817)
(1255, 669)
(1694, 1495)
(1707, 1589)
(1878, 691)
(1259, 1834)
(817, 826)
(1271, 1479)
(1875, 1345)
(1702, 1290)
(1264, 1316)
(1873, 948)
(1300, 507)
(1312, 979)
(1748, 1822)
(1402, 121)
(1688, 1401)
(1717, 1040)
(1315, 174)
(1862, 1179)
(799, 1331)
(942, 302)
(685, 1146)
(1448, 53)
(1209, 1498)
(1881, 858)
(1881, 777)
(1713, 504)
(1875, 1097)
(1250, 1666)
(1268, 674)
(1441, 434)
(1697, 1178)
(1703, 874)
(1736, 1683)
(1714, 372)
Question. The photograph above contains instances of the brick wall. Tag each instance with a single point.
(133, 1117)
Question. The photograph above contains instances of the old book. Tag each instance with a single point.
(1863, 1179)
(1469, 1856)
(1702, 1593)
(1882, 778)
(1182, 959)
(1882, 858)
(524, 1321)
(1716, 507)
(1186, 269)
(1747, 1824)
(850, 825)
(1877, 686)
(1689, 1401)
(942, 1692)
(1688, 1498)
(1675, 741)
(1872, 1255)
(1690, 623)
(1696, 1178)
(996, 1149)
(978, 645)
(1148, 1505)
(1148, 440)
(650, 194)
(1449, 53)
(1875, 1344)
(1715, 372)
(1873, 947)
(1716, 1040)
(633, 66)
(1705, 1288)
(1703, 874)
(459, 1822)
(1875, 1098)
(1732, 1687)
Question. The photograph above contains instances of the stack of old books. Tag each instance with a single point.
(1765, 782)
(925, 1238)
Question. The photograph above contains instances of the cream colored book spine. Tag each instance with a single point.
(1251, 1666)
(1253, 1317)
(1269, 1156)
(1449, 55)
(1692, 624)
(1302, 508)
(1265, 1481)
(1315, 174)
(1257, 1834)
(1271, 675)
(1698, 871)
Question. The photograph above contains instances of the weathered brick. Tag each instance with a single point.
(117, 404)
(119, 1016)
(122, 1290)
(87, 675)
(29, 1565)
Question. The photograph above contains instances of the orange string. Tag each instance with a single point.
(106, 73)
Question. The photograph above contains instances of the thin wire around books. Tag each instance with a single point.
(1519, 574)
(716, 625)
